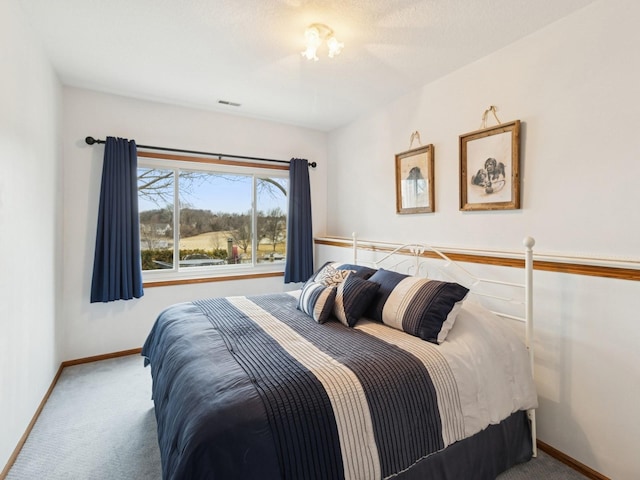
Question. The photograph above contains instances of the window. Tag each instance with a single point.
(203, 218)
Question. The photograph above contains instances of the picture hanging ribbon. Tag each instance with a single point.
(492, 109)
(414, 136)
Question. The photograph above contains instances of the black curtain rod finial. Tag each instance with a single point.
(91, 141)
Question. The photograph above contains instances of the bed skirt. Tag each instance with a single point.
(481, 457)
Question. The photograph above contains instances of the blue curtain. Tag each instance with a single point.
(117, 269)
(299, 266)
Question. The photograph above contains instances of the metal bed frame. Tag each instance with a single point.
(417, 251)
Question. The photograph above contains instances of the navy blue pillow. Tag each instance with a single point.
(352, 298)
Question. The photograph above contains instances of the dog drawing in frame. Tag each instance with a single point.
(492, 177)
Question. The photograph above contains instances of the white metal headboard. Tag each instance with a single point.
(416, 255)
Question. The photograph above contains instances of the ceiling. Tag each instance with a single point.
(198, 52)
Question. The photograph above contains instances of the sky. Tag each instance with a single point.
(224, 193)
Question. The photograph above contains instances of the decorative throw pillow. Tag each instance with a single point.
(357, 270)
(419, 306)
(387, 281)
(330, 276)
(312, 278)
(316, 300)
(352, 298)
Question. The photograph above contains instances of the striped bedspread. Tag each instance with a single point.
(250, 387)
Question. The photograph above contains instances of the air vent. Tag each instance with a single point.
(226, 102)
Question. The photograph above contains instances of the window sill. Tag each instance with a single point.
(220, 278)
(207, 275)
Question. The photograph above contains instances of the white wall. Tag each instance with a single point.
(93, 329)
(30, 222)
(575, 85)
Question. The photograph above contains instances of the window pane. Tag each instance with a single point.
(155, 203)
(215, 219)
(216, 222)
(271, 205)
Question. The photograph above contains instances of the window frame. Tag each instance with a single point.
(255, 170)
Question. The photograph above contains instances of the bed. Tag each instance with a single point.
(364, 373)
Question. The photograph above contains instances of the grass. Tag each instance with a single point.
(218, 240)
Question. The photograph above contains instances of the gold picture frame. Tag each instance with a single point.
(414, 181)
(490, 168)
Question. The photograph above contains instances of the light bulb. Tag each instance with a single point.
(335, 47)
(310, 53)
(313, 41)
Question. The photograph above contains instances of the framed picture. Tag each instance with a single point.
(414, 181)
(489, 168)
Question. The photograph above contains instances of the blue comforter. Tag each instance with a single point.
(252, 388)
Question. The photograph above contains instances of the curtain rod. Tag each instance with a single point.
(91, 141)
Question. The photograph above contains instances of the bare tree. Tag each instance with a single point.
(156, 228)
(272, 186)
(157, 185)
(242, 232)
(272, 226)
(152, 237)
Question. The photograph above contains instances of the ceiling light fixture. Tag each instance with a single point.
(314, 35)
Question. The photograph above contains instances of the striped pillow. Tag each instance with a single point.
(419, 306)
(352, 298)
(316, 300)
